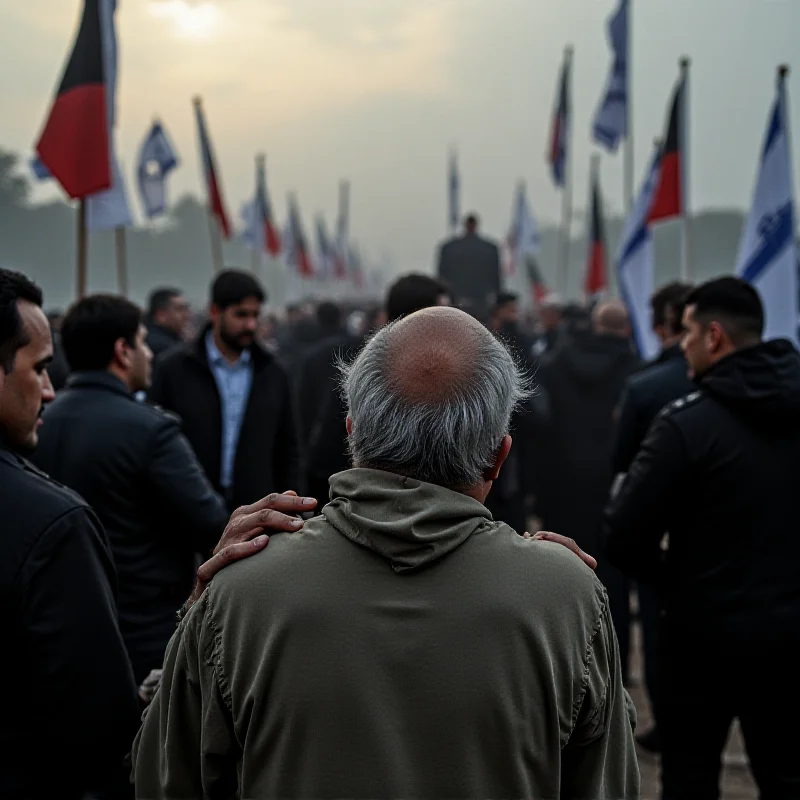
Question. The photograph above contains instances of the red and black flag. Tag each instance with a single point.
(74, 145)
(216, 204)
(596, 281)
(668, 199)
(538, 286)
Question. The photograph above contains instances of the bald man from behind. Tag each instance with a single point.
(406, 644)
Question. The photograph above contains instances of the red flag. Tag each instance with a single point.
(74, 145)
(298, 255)
(272, 242)
(596, 281)
(668, 198)
(215, 201)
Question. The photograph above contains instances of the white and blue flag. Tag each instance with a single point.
(636, 264)
(768, 254)
(157, 159)
(611, 118)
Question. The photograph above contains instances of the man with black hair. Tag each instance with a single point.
(413, 292)
(233, 398)
(134, 467)
(469, 266)
(167, 318)
(70, 707)
(720, 471)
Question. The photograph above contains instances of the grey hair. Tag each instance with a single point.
(450, 441)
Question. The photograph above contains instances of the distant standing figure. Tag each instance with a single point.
(168, 318)
(470, 266)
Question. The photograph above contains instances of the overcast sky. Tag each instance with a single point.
(377, 90)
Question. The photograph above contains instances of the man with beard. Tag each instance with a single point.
(131, 463)
(70, 705)
(720, 471)
(233, 398)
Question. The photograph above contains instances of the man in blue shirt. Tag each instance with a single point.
(233, 397)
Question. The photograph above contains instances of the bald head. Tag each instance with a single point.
(431, 353)
(430, 397)
(611, 318)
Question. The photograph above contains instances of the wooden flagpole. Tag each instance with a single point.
(686, 221)
(122, 260)
(82, 250)
(216, 242)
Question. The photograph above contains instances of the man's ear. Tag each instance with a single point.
(349, 425)
(122, 354)
(499, 458)
(213, 313)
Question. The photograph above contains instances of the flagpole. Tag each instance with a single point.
(594, 169)
(627, 154)
(686, 271)
(82, 250)
(122, 260)
(216, 242)
(566, 192)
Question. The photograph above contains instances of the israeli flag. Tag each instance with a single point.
(611, 118)
(156, 160)
(635, 264)
(768, 253)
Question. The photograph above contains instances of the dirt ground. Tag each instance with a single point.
(737, 784)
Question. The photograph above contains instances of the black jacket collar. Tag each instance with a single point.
(97, 379)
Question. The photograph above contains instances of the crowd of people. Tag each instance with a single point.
(403, 634)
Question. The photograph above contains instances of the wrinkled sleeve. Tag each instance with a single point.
(599, 760)
(186, 747)
(178, 480)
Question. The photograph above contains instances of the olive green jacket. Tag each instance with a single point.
(403, 645)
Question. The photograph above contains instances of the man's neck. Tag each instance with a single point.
(121, 376)
(228, 353)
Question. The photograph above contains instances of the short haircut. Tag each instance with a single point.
(92, 327)
(160, 300)
(329, 315)
(413, 293)
(734, 304)
(14, 286)
(504, 299)
(232, 286)
(666, 297)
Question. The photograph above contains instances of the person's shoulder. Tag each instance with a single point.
(177, 355)
(685, 407)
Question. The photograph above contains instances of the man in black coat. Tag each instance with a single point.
(132, 464)
(233, 398)
(582, 381)
(167, 318)
(470, 266)
(70, 706)
(720, 471)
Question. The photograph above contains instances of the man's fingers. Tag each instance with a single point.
(227, 555)
(288, 502)
(570, 544)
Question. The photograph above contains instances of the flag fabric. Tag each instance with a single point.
(356, 267)
(216, 204)
(260, 230)
(523, 238)
(559, 132)
(297, 254)
(538, 286)
(635, 262)
(39, 170)
(668, 198)
(768, 251)
(454, 191)
(326, 252)
(75, 145)
(157, 159)
(611, 118)
(596, 281)
(342, 257)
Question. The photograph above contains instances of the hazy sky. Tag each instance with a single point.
(377, 90)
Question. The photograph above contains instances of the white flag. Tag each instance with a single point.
(636, 264)
(768, 254)
(156, 160)
(524, 239)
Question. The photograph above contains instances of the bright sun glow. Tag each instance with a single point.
(192, 20)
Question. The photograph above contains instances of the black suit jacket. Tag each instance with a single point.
(470, 266)
(267, 455)
(131, 463)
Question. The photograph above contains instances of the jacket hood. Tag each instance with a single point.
(590, 358)
(761, 383)
(408, 522)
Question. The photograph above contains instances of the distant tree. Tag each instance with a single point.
(14, 188)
